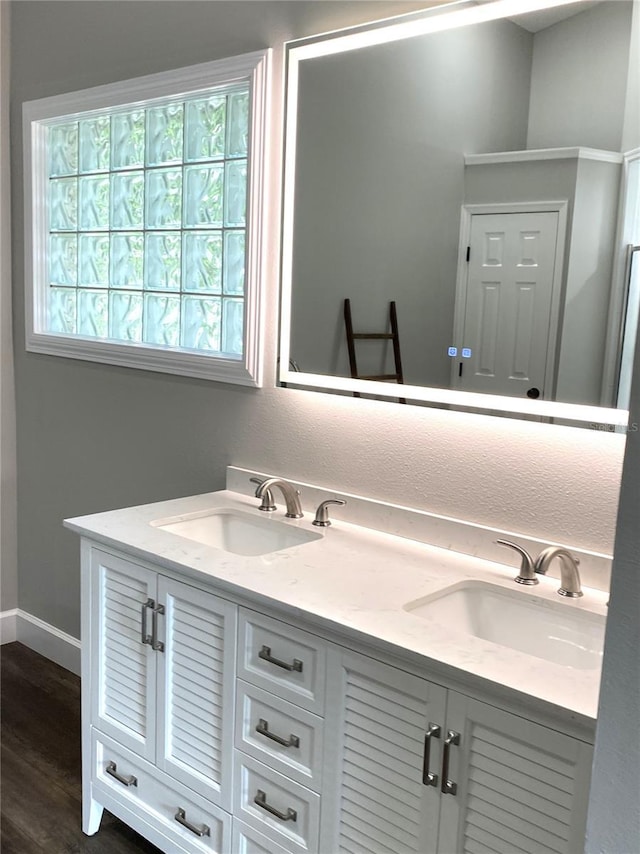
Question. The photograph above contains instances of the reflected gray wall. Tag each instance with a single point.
(382, 134)
(579, 80)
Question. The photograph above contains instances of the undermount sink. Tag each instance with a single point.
(519, 620)
(237, 532)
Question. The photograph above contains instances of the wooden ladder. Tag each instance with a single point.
(393, 336)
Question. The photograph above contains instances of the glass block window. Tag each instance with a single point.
(143, 216)
(147, 223)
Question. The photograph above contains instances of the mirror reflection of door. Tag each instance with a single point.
(508, 324)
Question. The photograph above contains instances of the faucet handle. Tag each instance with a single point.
(322, 514)
(527, 570)
(267, 504)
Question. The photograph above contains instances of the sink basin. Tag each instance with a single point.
(237, 532)
(519, 620)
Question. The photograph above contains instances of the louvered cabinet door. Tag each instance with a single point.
(521, 788)
(196, 689)
(374, 798)
(124, 689)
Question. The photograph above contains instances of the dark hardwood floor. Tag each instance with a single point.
(40, 789)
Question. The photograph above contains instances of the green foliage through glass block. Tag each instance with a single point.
(63, 149)
(94, 203)
(232, 326)
(204, 193)
(127, 139)
(201, 323)
(163, 198)
(93, 266)
(63, 204)
(162, 261)
(162, 320)
(62, 310)
(127, 258)
(63, 259)
(95, 136)
(125, 316)
(202, 259)
(164, 134)
(127, 200)
(93, 314)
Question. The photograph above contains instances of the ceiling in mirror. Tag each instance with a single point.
(460, 170)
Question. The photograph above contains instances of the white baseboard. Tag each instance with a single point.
(42, 637)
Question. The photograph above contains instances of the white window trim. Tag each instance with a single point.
(251, 67)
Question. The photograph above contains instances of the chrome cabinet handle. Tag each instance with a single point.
(145, 637)
(265, 654)
(261, 801)
(181, 818)
(112, 770)
(262, 727)
(448, 786)
(428, 778)
(156, 644)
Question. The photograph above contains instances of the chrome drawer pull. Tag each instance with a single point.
(428, 778)
(181, 818)
(448, 786)
(262, 727)
(261, 801)
(112, 770)
(265, 654)
(144, 636)
(156, 644)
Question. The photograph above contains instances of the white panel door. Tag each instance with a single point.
(123, 661)
(520, 787)
(508, 305)
(196, 689)
(377, 720)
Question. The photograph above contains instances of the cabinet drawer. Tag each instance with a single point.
(283, 736)
(247, 840)
(282, 659)
(119, 777)
(279, 808)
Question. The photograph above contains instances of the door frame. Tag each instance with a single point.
(467, 211)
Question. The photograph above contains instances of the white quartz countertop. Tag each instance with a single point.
(357, 580)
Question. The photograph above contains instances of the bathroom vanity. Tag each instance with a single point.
(328, 695)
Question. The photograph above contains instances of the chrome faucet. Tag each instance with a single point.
(527, 574)
(289, 492)
(569, 575)
(267, 504)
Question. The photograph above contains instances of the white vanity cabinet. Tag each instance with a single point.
(158, 695)
(212, 727)
(418, 768)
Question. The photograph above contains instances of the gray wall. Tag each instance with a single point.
(631, 127)
(94, 437)
(614, 814)
(579, 79)
(8, 557)
(382, 134)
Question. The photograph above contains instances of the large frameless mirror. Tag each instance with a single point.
(452, 204)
